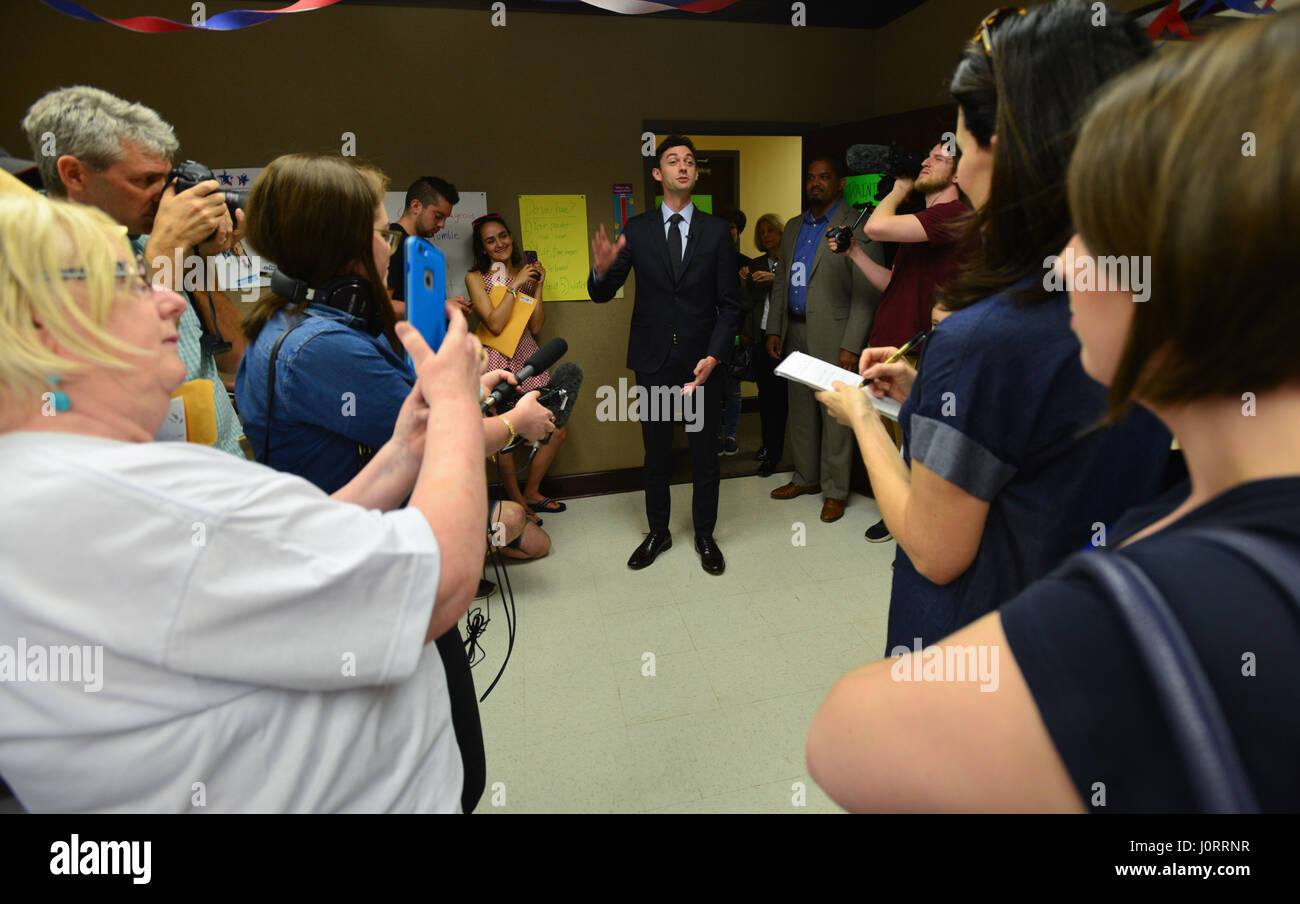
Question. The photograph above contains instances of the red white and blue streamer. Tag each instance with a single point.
(642, 7)
(227, 21)
(1170, 18)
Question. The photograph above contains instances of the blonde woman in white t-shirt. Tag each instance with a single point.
(180, 615)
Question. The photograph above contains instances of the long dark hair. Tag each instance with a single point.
(1032, 91)
(483, 263)
(313, 216)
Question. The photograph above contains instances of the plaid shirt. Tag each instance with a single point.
(204, 367)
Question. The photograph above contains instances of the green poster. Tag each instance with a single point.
(702, 202)
(861, 189)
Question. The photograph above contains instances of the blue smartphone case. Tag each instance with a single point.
(426, 291)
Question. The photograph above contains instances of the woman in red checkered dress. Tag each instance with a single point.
(497, 261)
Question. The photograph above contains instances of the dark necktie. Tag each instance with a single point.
(675, 244)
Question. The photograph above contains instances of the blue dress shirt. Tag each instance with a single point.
(805, 250)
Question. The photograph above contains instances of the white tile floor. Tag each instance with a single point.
(741, 661)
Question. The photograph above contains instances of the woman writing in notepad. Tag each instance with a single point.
(498, 283)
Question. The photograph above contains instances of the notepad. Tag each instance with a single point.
(818, 374)
(507, 340)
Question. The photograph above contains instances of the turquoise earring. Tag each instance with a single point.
(60, 398)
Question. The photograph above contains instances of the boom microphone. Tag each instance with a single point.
(541, 360)
(867, 158)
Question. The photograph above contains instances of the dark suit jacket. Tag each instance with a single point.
(702, 307)
(841, 302)
(756, 294)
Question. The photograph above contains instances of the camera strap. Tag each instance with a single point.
(212, 340)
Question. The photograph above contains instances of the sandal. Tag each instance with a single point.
(548, 505)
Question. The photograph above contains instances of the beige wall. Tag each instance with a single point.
(769, 176)
(547, 104)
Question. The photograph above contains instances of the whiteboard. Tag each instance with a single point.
(455, 237)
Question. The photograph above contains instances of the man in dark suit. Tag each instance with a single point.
(686, 313)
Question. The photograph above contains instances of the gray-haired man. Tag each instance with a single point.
(94, 148)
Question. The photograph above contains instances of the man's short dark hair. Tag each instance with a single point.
(428, 190)
(674, 141)
(837, 166)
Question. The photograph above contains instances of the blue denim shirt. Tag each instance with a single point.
(805, 251)
(336, 388)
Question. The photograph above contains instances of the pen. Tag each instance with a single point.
(909, 345)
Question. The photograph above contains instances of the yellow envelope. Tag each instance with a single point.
(508, 339)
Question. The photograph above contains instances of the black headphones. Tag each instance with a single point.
(352, 295)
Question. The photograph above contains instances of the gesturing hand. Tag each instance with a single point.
(604, 254)
(702, 371)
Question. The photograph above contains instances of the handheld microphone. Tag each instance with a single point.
(542, 359)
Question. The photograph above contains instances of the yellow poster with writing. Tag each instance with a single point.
(555, 226)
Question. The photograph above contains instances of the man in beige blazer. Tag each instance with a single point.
(822, 307)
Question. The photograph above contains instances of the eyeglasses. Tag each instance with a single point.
(394, 236)
(123, 270)
(483, 219)
(982, 33)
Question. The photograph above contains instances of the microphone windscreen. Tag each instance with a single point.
(867, 158)
(568, 378)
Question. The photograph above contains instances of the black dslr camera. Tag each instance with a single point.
(190, 173)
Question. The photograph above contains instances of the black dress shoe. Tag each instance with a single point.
(710, 555)
(654, 543)
(767, 468)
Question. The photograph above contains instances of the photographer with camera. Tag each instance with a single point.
(115, 155)
(928, 255)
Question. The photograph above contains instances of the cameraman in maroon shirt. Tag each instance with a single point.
(929, 252)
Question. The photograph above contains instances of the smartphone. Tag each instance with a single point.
(426, 291)
(530, 257)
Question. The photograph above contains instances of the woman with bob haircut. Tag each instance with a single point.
(236, 626)
(1075, 722)
(340, 379)
(1005, 469)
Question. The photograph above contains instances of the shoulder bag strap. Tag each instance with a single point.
(270, 389)
(1200, 730)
